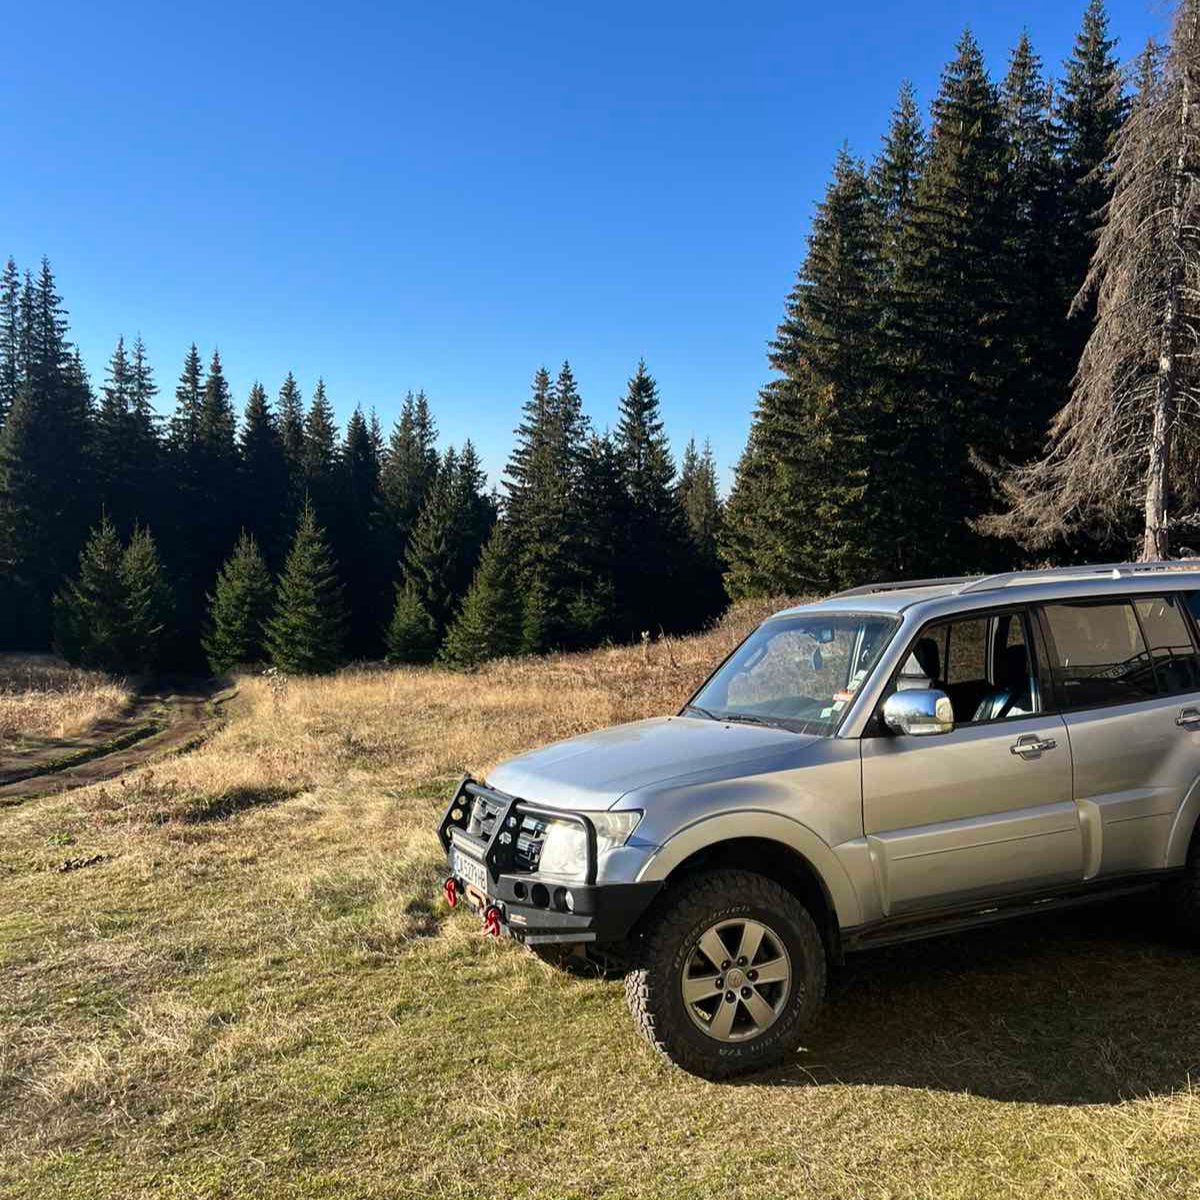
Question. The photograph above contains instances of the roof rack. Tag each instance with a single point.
(964, 585)
(898, 585)
(987, 583)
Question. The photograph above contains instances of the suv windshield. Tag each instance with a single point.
(799, 673)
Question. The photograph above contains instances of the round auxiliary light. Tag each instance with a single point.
(569, 901)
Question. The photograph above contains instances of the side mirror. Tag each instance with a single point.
(919, 712)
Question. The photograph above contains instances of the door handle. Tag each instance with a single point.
(1029, 745)
(1188, 718)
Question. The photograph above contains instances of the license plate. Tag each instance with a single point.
(469, 870)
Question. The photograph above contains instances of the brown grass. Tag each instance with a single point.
(258, 994)
(42, 697)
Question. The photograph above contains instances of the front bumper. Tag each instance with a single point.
(531, 907)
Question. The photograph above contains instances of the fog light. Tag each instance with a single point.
(569, 900)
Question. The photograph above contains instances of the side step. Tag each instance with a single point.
(891, 932)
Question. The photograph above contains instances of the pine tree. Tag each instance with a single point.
(700, 498)
(489, 623)
(1036, 332)
(752, 556)
(90, 615)
(408, 470)
(655, 557)
(239, 609)
(264, 490)
(10, 337)
(448, 537)
(184, 426)
(357, 541)
(148, 605)
(291, 435)
(186, 465)
(595, 611)
(1089, 113)
(542, 508)
(305, 634)
(46, 486)
(953, 355)
(125, 441)
(412, 636)
(321, 455)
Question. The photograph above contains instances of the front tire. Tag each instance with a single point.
(731, 971)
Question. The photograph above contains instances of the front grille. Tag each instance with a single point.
(484, 814)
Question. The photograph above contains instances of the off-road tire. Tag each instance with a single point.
(653, 989)
(1182, 896)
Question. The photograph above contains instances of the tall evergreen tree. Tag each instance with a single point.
(367, 575)
(10, 337)
(214, 526)
(46, 486)
(90, 612)
(655, 555)
(412, 636)
(448, 537)
(542, 507)
(1036, 335)
(306, 632)
(321, 455)
(1091, 107)
(291, 434)
(953, 299)
(239, 609)
(125, 441)
(815, 511)
(700, 497)
(264, 489)
(184, 426)
(408, 470)
(489, 623)
(148, 605)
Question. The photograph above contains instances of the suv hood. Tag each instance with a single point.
(593, 772)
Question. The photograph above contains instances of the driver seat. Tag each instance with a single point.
(1013, 693)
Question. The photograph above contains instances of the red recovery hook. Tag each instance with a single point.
(450, 887)
(491, 920)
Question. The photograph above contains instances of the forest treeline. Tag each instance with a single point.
(934, 331)
(930, 334)
(133, 542)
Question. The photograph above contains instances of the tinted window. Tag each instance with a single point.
(1100, 655)
(1170, 642)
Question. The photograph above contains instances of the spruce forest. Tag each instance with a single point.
(931, 342)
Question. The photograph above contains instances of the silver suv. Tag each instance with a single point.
(893, 762)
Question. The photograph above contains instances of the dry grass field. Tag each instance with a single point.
(42, 697)
(252, 989)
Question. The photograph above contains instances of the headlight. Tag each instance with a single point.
(564, 849)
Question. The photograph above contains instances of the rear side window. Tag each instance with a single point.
(1170, 643)
(1100, 655)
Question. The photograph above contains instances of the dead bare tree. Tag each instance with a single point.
(1129, 436)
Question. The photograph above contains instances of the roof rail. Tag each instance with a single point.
(897, 585)
(987, 583)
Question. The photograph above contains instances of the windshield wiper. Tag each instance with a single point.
(751, 719)
(695, 708)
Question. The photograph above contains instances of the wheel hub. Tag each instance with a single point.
(737, 980)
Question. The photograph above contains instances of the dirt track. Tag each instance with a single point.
(159, 722)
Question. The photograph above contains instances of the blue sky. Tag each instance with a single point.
(445, 196)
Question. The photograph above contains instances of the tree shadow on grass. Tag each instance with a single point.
(1096, 1006)
(224, 805)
